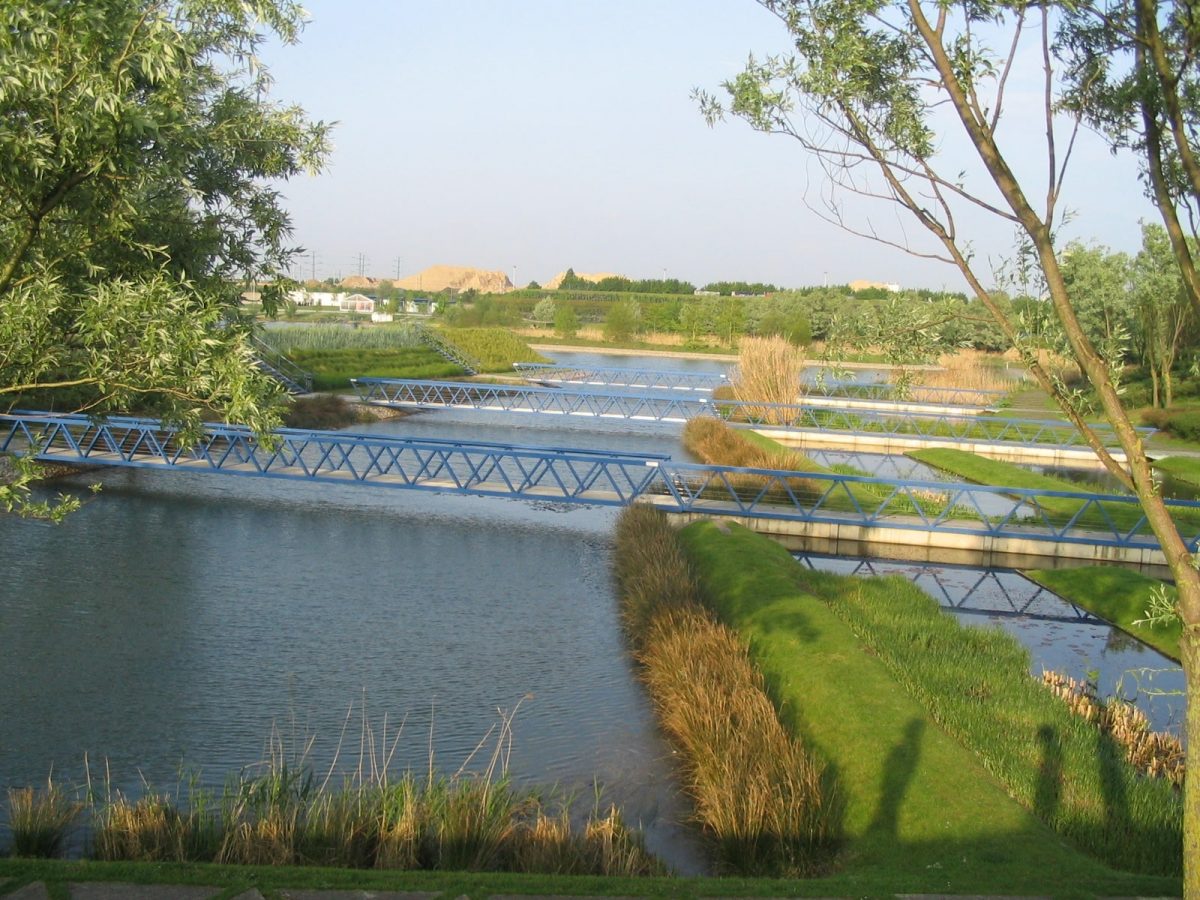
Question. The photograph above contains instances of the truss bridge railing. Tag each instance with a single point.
(610, 376)
(706, 382)
(883, 392)
(948, 428)
(982, 592)
(294, 379)
(447, 350)
(879, 505)
(532, 399)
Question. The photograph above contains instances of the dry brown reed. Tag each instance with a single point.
(964, 369)
(1059, 366)
(768, 372)
(714, 442)
(148, 830)
(759, 795)
(1153, 752)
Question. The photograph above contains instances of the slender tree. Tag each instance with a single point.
(877, 91)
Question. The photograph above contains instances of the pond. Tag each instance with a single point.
(178, 618)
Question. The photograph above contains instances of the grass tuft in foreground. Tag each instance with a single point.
(41, 820)
(286, 816)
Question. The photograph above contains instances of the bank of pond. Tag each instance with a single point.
(840, 733)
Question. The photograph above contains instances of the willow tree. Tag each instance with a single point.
(906, 102)
(138, 157)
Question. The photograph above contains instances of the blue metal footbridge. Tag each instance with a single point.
(706, 382)
(825, 506)
(800, 419)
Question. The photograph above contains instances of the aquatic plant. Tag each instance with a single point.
(41, 819)
(759, 793)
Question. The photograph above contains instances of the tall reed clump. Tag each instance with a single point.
(768, 372)
(286, 815)
(41, 820)
(962, 370)
(760, 796)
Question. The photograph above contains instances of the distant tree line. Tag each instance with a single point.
(742, 288)
(620, 284)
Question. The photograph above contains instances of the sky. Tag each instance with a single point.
(529, 136)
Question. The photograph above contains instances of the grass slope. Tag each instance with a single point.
(1059, 510)
(1119, 596)
(1183, 468)
(496, 349)
(921, 812)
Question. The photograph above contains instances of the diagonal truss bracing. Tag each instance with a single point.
(941, 427)
(706, 382)
(605, 478)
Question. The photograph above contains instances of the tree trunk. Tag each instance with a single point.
(1189, 648)
(1154, 385)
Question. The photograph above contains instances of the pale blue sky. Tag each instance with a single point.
(541, 134)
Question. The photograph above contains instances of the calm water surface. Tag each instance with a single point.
(178, 618)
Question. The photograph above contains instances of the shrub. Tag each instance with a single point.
(1181, 421)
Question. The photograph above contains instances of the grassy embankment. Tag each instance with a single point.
(1058, 510)
(337, 353)
(716, 443)
(916, 811)
(864, 668)
(1119, 596)
(1182, 468)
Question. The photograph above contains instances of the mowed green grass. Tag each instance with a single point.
(1059, 510)
(1117, 595)
(922, 812)
(1183, 468)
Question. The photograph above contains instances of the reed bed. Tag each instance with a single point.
(1153, 753)
(41, 820)
(341, 337)
(963, 370)
(768, 372)
(975, 683)
(760, 796)
(286, 814)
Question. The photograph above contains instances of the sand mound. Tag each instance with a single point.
(462, 278)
